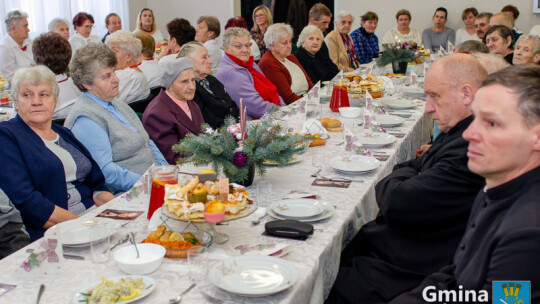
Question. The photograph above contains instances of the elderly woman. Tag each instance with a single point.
(243, 78)
(146, 23)
(180, 33)
(366, 43)
(318, 65)
(340, 45)
(241, 22)
(59, 26)
(281, 67)
(403, 33)
(47, 173)
(83, 24)
(172, 114)
(16, 47)
(149, 66)
(527, 49)
(107, 126)
(262, 19)
(210, 94)
(469, 32)
(54, 52)
(127, 48)
(499, 40)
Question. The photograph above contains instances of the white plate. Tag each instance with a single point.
(389, 120)
(329, 210)
(75, 233)
(148, 281)
(294, 160)
(298, 208)
(354, 163)
(376, 139)
(252, 275)
(412, 90)
(399, 103)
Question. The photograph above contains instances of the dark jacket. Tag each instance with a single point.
(217, 105)
(33, 177)
(166, 123)
(319, 67)
(424, 207)
(501, 242)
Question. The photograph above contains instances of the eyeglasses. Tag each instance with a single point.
(88, 26)
(239, 46)
(259, 15)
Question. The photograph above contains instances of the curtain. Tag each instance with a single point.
(41, 12)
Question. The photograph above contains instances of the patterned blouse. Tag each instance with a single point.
(257, 36)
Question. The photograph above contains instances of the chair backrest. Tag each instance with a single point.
(59, 121)
(140, 105)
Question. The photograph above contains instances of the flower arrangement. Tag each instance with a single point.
(397, 52)
(236, 148)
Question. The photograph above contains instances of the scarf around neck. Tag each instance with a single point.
(266, 89)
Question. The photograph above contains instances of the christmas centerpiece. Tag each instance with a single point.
(237, 149)
(399, 55)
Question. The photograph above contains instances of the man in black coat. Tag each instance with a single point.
(424, 203)
(210, 94)
(501, 242)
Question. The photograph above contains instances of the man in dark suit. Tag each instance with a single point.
(210, 94)
(173, 114)
(424, 203)
(501, 242)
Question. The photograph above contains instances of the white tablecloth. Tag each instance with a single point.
(317, 259)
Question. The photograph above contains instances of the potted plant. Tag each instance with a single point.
(398, 55)
(236, 149)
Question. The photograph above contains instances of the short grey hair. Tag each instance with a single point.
(189, 48)
(14, 18)
(344, 13)
(491, 62)
(88, 61)
(234, 32)
(276, 32)
(56, 22)
(306, 32)
(127, 41)
(34, 75)
(472, 46)
(534, 38)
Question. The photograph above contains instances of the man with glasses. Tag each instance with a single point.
(16, 47)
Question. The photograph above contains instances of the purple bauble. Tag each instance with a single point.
(240, 159)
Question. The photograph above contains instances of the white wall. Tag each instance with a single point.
(422, 11)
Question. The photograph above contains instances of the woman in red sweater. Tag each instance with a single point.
(281, 67)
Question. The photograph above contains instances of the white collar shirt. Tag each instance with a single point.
(13, 57)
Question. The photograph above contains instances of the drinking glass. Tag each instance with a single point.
(160, 175)
(264, 192)
(100, 242)
(318, 158)
(197, 263)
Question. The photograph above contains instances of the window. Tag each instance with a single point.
(41, 12)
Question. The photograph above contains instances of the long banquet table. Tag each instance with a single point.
(317, 258)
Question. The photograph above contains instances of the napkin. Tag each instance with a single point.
(313, 94)
(451, 48)
(313, 126)
(299, 194)
(353, 145)
(268, 249)
(374, 106)
(370, 123)
(414, 79)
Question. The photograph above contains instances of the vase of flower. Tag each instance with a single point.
(399, 67)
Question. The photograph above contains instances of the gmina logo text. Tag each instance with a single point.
(430, 294)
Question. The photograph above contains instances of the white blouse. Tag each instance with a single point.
(12, 57)
(462, 35)
(395, 36)
(78, 41)
(299, 83)
(152, 71)
(133, 85)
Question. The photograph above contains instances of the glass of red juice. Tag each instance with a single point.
(161, 175)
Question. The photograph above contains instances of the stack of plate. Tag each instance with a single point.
(412, 92)
(388, 121)
(76, 233)
(376, 139)
(399, 103)
(302, 209)
(354, 164)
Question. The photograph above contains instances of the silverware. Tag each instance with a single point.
(40, 293)
(120, 241)
(216, 300)
(316, 173)
(258, 221)
(132, 241)
(73, 256)
(179, 298)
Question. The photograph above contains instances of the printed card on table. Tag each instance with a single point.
(224, 189)
(314, 97)
(331, 183)
(451, 48)
(120, 214)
